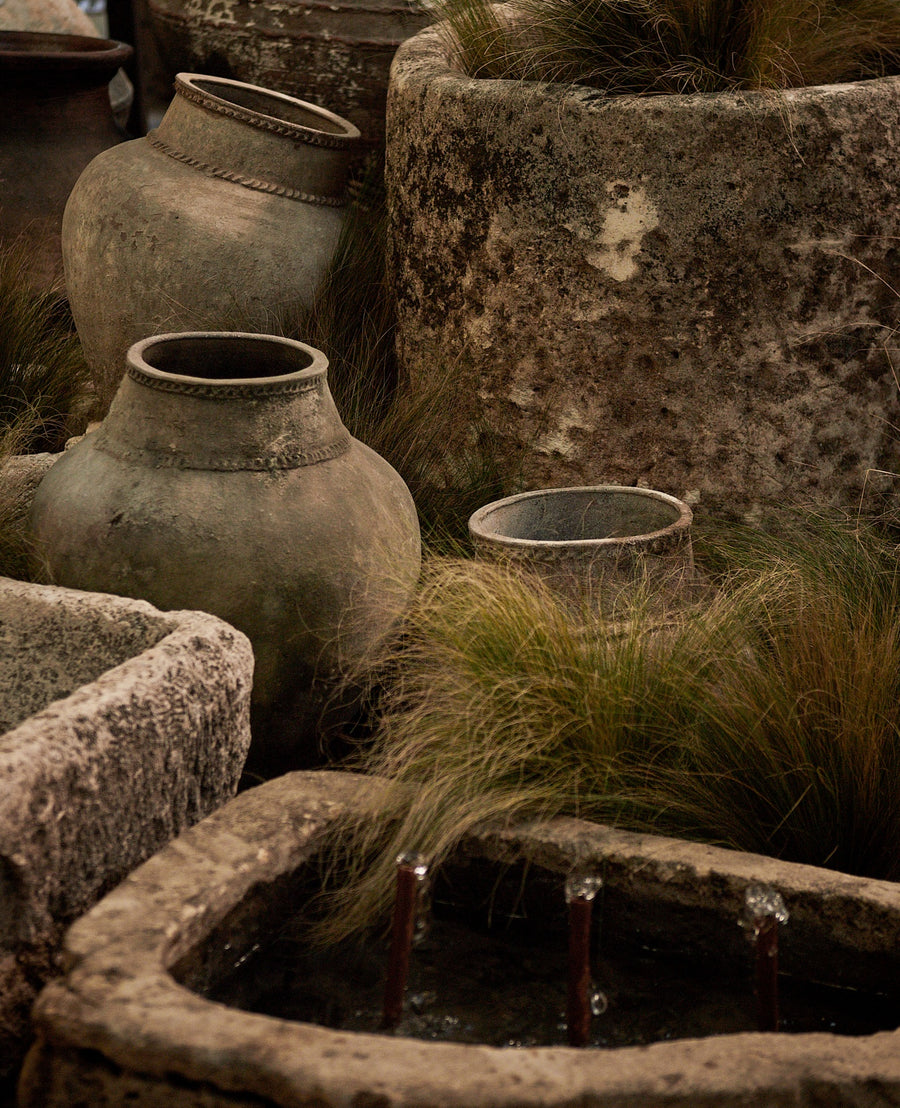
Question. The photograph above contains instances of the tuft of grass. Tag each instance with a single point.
(450, 465)
(768, 720)
(675, 46)
(44, 384)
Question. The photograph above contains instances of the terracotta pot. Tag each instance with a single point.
(593, 542)
(223, 479)
(55, 116)
(339, 53)
(225, 215)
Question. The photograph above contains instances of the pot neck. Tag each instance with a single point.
(257, 138)
(167, 421)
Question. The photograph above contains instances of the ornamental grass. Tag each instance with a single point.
(766, 719)
(675, 46)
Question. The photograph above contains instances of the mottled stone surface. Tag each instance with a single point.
(122, 726)
(335, 55)
(118, 1026)
(690, 293)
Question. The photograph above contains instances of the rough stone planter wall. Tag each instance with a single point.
(689, 293)
(120, 726)
(118, 1027)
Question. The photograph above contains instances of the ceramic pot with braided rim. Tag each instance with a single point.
(223, 218)
(224, 480)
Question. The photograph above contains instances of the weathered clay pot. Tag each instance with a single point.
(55, 116)
(226, 214)
(66, 18)
(339, 54)
(223, 479)
(592, 543)
(692, 293)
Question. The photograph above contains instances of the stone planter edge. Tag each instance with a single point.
(119, 1000)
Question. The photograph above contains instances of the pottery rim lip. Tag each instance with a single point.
(480, 521)
(138, 365)
(57, 52)
(341, 131)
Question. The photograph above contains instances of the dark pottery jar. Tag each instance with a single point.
(224, 217)
(223, 479)
(55, 117)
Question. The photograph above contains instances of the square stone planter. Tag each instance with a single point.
(120, 726)
(120, 1028)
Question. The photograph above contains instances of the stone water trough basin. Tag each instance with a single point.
(129, 1022)
(120, 726)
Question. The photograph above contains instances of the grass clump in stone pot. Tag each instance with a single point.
(767, 720)
(676, 46)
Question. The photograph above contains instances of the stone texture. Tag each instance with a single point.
(118, 1026)
(689, 293)
(337, 56)
(122, 726)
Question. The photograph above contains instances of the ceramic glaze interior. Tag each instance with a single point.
(576, 515)
(255, 100)
(220, 359)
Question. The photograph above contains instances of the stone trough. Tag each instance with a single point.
(120, 726)
(120, 1028)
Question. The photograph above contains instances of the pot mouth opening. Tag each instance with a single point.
(589, 517)
(225, 358)
(261, 103)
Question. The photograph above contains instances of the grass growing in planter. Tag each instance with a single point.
(768, 720)
(676, 46)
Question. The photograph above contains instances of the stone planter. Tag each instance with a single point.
(223, 479)
(594, 542)
(120, 1027)
(121, 727)
(223, 218)
(331, 53)
(690, 293)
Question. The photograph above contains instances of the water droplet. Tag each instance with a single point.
(412, 859)
(582, 885)
(762, 904)
(599, 1002)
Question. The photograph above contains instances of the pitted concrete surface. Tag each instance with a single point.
(689, 293)
(123, 726)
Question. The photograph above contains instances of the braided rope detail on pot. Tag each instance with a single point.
(240, 179)
(261, 463)
(220, 390)
(295, 131)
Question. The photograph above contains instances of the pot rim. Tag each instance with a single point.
(142, 370)
(480, 530)
(22, 52)
(340, 133)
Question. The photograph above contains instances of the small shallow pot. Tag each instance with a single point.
(597, 541)
(223, 479)
(222, 218)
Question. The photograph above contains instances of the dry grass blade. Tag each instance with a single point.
(769, 720)
(677, 46)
